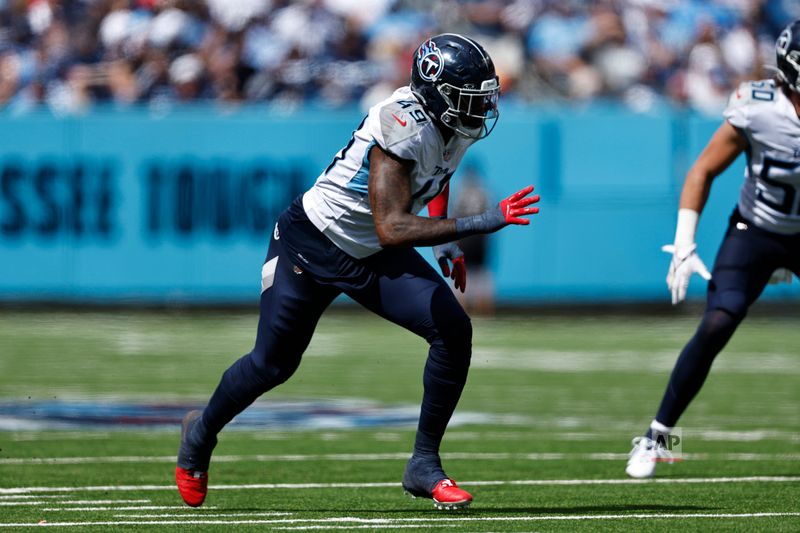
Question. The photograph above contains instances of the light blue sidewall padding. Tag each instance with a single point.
(178, 208)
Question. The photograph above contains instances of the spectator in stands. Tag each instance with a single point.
(71, 55)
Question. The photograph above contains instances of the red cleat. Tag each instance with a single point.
(191, 473)
(447, 495)
(192, 485)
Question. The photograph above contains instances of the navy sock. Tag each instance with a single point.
(694, 363)
(444, 379)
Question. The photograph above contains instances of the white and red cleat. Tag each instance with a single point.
(425, 471)
(447, 495)
(645, 456)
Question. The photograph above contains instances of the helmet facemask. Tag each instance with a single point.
(471, 113)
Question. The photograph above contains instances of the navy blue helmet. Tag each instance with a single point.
(454, 78)
(787, 50)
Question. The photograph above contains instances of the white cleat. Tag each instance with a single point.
(644, 457)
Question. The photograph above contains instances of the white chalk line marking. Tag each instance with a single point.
(394, 484)
(217, 459)
(408, 522)
(619, 361)
(122, 508)
(100, 502)
(205, 515)
(22, 504)
(8, 497)
(399, 456)
(70, 502)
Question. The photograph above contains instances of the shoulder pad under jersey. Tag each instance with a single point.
(400, 121)
(748, 95)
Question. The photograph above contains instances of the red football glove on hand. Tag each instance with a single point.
(450, 252)
(517, 204)
(506, 212)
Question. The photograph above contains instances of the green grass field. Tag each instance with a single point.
(541, 438)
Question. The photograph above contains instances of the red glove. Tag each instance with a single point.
(452, 253)
(506, 212)
(516, 205)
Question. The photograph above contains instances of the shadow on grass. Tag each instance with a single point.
(487, 511)
(601, 509)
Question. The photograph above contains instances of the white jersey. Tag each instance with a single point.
(770, 196)
(338, 203)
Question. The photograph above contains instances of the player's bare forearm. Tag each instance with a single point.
(390, 199)
(696, 189)
(724, 147)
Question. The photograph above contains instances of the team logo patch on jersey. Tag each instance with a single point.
(430, 62)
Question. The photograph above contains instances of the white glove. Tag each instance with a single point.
(685, 262)
(781, 275)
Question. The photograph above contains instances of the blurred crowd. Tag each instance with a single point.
(69, 55)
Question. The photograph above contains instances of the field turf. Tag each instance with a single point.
(541, 437)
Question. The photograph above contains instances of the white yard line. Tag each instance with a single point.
(399, 456)
(355, 522)
(621, 361)
(394, 484)
(122, 508)
(205, 515)
(217, 459)
(98, 502)
(21, 504)
(15, 497)
(65, 502)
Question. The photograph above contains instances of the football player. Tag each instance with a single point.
(354, 232)
(762, 242)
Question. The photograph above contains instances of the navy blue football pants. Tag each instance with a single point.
(745, 262)
(309, 272)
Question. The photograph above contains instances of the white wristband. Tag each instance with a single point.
(686, 228)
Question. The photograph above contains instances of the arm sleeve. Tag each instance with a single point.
(437, 208)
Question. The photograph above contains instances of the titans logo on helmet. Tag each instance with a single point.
(429, 61)
(783, 41)
(783, 49)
